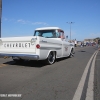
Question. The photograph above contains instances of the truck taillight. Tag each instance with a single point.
(37, 46)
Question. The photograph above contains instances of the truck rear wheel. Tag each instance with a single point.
(51, 58)
(71, 53)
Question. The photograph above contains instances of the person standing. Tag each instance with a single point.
(75, 42)
(96, 43)
(99, 44)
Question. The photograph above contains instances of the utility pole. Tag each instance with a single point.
(70, 28)
(0, 15)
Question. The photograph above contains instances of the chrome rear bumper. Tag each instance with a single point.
(23, 56)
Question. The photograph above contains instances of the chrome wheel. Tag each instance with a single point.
(51, 58)
(71, 53)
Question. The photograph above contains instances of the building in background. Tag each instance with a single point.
(89, 40)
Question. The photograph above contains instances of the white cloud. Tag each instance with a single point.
(22, 21)
(39, 23)
(5, 19)
(29, 22)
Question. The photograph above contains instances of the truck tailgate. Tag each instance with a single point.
(16, 45)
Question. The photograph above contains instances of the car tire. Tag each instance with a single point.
(51, 58)
(71, 53)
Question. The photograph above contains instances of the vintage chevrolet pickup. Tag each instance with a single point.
(47, 44)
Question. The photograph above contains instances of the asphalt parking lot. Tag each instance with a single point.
(35, 81)
(97, 78)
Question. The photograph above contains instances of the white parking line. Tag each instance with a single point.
(89, 95)
(78, 93)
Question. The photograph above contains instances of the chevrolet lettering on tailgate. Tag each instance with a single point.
(17, 45)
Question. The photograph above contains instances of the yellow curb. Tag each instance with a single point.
(2, 65)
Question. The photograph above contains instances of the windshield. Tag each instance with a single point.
(47, 33)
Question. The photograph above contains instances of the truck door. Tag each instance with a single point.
(64, 45)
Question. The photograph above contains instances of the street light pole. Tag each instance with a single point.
(70, 28)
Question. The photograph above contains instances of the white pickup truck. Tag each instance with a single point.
(48, 44)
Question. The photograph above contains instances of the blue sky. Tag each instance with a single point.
(21, 17)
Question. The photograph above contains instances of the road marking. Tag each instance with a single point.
(90, 92)
(78, 93)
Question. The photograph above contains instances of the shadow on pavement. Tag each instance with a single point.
(37, 64)
(82, 51)
(31, 63)
(61, 59)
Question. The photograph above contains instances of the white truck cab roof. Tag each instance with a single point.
(48, 28)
